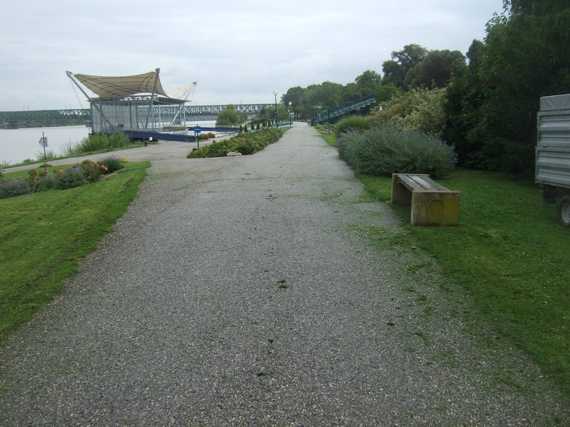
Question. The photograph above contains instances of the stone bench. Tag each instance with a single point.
(431, 203)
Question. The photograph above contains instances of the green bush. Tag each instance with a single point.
(388, 149)
(230, 117)
(352, 123)
(245, 143)
(34, 177)
(91, 170)
(419, 109)
(47, 182)
(70, 178)
(112, 164)
(99, 142)
(13, 188)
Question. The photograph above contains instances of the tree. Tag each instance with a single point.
(268, 113)
(368, 82)
(462, 109)
(535, 7)
(525, 56)
(296, 96)
(436, 69)
(230, 117)
(396, 70)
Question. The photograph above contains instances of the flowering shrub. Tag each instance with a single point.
(71, 177)
(418, 109)
(112, 164)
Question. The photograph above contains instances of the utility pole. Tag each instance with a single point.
(276, 115)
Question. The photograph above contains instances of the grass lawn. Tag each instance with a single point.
(43, 236)
(510, 254)
(513, 258)
(135, 144)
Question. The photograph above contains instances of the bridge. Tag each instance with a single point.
(357, 107)
(197, 110)
(74, 116)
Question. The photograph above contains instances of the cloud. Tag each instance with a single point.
(237, 51)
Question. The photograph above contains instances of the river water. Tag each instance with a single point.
(17, 145)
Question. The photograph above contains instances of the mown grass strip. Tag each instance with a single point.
(43, 236)
(511, 255)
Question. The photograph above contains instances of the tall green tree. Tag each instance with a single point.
(230, 117)
(396, 69)
(462, 109)
(525, 56)
(436, 69)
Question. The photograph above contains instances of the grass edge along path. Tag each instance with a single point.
(44, 236)
(510, 256)
(6, 167)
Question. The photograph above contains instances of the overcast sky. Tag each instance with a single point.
(237, 51)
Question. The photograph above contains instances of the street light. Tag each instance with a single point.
(290, 114)
(275, 113)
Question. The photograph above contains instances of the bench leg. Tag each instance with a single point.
(400, 194)
(435, 209)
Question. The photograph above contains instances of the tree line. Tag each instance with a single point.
(41, 118)
(491, 94)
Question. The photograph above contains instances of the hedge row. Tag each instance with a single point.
(47, 178)
(387, 149)
(244, 143)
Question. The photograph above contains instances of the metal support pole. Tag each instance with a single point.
(157, 71)
(98, 107)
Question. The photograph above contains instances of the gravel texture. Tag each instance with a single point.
(243, 291)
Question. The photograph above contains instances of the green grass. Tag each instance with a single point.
(328, 134)
(70, 155)
(43, 236)
(511, 255)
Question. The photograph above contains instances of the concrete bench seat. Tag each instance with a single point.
(431, 203)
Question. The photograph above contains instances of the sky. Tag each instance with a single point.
(237, 51)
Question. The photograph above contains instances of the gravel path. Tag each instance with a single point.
(244, 291)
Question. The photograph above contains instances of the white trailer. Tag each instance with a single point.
(553, 152)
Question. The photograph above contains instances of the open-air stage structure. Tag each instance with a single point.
(139, 106)
(126, 103)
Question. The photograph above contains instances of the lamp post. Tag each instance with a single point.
(275, 113)
(290, 114)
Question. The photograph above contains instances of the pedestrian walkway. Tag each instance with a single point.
(242, 291)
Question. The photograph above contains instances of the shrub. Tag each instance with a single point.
(49, 155)
(245, 143)
(352, 123)
(112, 164)
(13, 188)
(419, 109)
(34, 177)
(206, 136)
(91, 170)
(47, 182)
(388, 149)
(71, 177)
(99, 142)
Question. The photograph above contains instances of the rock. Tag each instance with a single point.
(233, 154)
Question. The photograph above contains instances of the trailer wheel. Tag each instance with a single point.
(565, 211)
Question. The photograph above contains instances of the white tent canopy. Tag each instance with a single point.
(107, 87)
